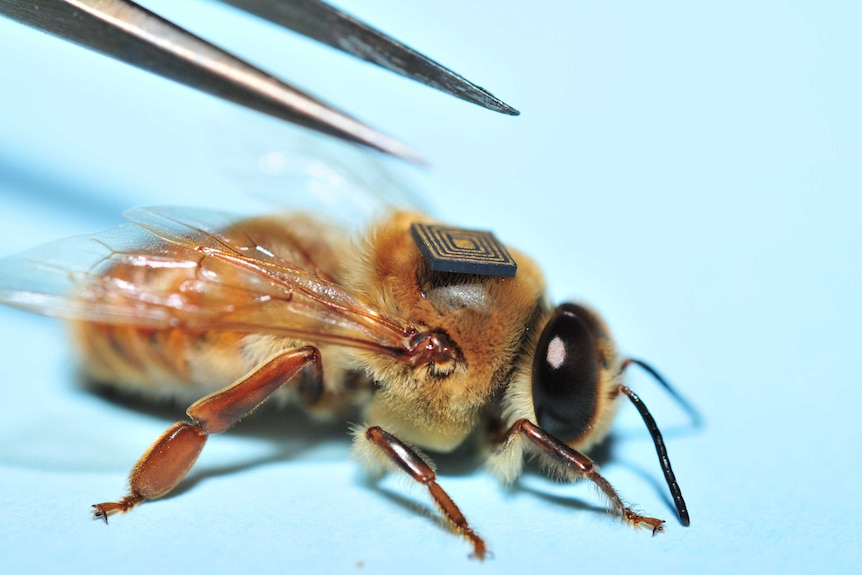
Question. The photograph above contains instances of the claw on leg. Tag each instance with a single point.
(102, 510)
(635, 520)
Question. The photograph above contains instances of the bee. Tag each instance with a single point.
(227, 312)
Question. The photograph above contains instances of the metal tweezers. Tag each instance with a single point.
(128, 32)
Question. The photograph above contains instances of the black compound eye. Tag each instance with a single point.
(565, 375)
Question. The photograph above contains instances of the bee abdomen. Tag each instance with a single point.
(126, 356)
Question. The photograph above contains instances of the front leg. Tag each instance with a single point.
(406, 459)
(171, 457)
(573, 465)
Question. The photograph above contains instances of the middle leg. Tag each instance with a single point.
(415, 466)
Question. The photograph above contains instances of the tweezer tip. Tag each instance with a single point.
(387, 145)
(491, 102)
(460, 87)
(505, 108)
(407, 154)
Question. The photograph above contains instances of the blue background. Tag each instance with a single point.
(691, 170)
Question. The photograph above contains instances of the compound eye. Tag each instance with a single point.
(565, 375)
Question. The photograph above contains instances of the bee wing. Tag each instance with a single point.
(216, 230)
(45, 279)
(292, 169)
(171, 268)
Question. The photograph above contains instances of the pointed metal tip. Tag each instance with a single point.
(396, 148)
(462, 88)
(466, 90)
(437, 76)
(457, 85)
(327, 24)
(323, 118)
(498, 105)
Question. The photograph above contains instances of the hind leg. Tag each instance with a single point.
(173, 454)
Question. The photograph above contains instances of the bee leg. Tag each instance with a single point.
(415, 466)
(172, 455)
(570, 461)
(310, 386)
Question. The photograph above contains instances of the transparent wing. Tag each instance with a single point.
(278, 240)
(291, 169)
(198, 270)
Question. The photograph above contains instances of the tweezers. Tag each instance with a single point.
(126, 31)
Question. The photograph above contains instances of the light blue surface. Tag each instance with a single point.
(693, 171)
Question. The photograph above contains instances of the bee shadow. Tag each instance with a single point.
(466, 461)
(407, 503)
(562, 501)
(291, 432)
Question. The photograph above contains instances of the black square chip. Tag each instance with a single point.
(448, 249)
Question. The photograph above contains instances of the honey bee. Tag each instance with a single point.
(228, 312)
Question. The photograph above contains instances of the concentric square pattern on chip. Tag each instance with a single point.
(449, 249)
